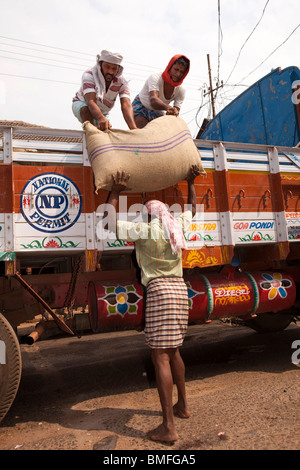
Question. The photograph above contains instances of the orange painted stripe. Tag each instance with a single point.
(6, 205)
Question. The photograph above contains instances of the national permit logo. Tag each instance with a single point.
(51, 202)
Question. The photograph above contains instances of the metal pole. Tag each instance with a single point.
(60, 323)
(211, 88)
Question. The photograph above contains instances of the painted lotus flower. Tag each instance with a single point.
(276, 285)
(256, 237)
(121, 300)
(52, 244)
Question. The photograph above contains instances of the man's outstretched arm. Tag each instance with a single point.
(192, 199)
(119, 184)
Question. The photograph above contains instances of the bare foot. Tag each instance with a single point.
(162, 434)
(181, 412)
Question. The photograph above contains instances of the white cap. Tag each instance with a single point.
(111, 57)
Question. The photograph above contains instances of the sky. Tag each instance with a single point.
(45, 46)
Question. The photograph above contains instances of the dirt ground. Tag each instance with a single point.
(97, 392)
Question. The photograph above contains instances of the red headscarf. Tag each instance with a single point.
(166, 74)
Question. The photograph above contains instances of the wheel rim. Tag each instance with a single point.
(10, 366)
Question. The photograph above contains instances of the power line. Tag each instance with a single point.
(43, 58)
(187, 98)
(61, 54)
(66, 50)
(133, 76)
(144, 67)
(220, 40)
(36, 50)
(67, 83)
(272, 52)
(44, 45)
(35, 78)
(190, 111)
(40, 63)
(237, 59)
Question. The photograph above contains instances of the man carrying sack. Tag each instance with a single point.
(99, 88)
(159, 244)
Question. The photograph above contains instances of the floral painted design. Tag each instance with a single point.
(119, 243)
(276, 285)
(294, 233)
(121, 300)
(53, 242)
(196, 237)
(256, 237)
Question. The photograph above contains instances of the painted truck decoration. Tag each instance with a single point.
(248, 210)
(51, 203)
(243, 245)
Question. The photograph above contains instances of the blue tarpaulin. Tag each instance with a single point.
(265, 113)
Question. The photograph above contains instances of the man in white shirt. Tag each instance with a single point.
(159, 90)
(99, 89)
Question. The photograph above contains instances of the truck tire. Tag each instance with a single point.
(270, 322)
(10, 366)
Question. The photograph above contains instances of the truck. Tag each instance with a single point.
(242, 260)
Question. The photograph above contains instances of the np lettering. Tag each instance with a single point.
(51, 202)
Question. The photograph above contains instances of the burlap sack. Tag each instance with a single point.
(156, 157)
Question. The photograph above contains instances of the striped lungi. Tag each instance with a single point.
(167, 311)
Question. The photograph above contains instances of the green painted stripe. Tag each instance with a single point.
(210, 297)
(255, 290)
